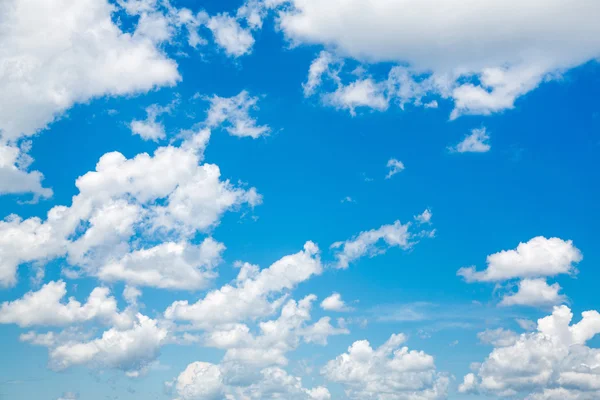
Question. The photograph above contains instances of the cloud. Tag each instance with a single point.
(319, 67)
(476, 142)
(394, 167)
(14, 178)
(518, 45)
(150, 128)
(249, 297)
(334, 303)
(234, 114)
(50, 66)
(44, 308)
(535, 293)
(539, 257)
(168, 195)
(389, 371)
(229, 35)
(424, 217)
(168, 265)
(131, 350)
(366, 243)
(361, 93)
(205, 381)
(551, 363)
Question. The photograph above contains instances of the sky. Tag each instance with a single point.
(299, 199)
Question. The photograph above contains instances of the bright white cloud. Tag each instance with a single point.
(168, 265)
(334, 303)
(14, 179)
(390, 372)
(234, 114)
(394, 166)
(249, 297)
(45, 307)
(539, 257)
(476, 142)
(551, 363)
(535, 293)
(518, 44)
(205, 381)
(150, 128)
(229, 34)
(361, 93)
(48, 66)
(131, 350)
(169, 193)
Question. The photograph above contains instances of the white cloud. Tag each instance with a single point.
(96, 59)
(552, 363)
(366, 243)
(168, 265)
(234, 114)
(150, 128)
(518, 44)
(14, 178)
(476, 142)
(535, 293)
(424, 217)
(131, 350)
(167, 195)
(319, 67)
(394, 166)
(48, 66)
(228, 34)
(539, 257)
(205, 381)
(334, 303)
(249, 297)
(361, 93)
(45, 308)
(390, 372)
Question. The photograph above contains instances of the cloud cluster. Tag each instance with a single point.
(388, 372)
(482, 56)
(551, 363)
(532, 263)
(168, 196)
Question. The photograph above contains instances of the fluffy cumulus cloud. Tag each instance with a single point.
(334, 303)
(531, 262)
(367, 243)
(553, 362)
(249, 296)
(476, 142)
(535, 292)
(49, 65)
(388, 372)
(131, 350)
(536, 258)
(45, 307)
(517, 46)
(252, 365)
(168, 194)
(205, 381)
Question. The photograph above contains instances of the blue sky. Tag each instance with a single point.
(496, 166)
